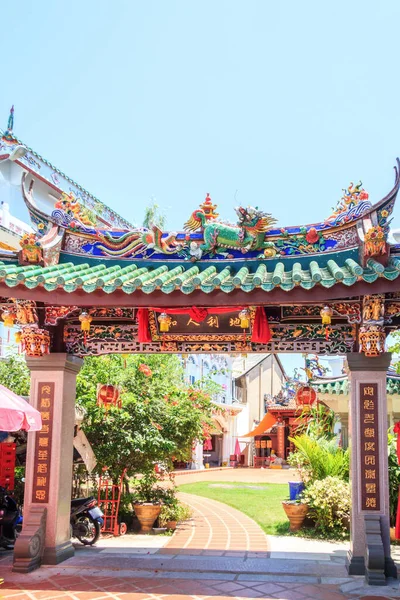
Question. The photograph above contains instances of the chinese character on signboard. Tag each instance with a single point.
(40, 491)
(370, 496)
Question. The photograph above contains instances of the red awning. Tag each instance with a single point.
(267, 422)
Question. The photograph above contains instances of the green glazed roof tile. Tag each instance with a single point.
(222, 276)
(188, 277)
(316, 274)
(204, 276)
(342, 387)
(375, 266)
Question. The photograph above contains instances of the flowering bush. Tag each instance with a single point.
(329, 502)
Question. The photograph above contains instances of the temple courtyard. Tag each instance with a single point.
(219, 553)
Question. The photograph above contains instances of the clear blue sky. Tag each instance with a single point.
(275, 104)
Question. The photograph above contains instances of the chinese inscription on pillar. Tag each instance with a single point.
(41, 482)
(281, 441)
(370, 499)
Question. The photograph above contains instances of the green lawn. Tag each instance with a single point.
(260, 501)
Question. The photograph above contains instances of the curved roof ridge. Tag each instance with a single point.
(66, 177)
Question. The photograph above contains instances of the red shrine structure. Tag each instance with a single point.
(80, 287)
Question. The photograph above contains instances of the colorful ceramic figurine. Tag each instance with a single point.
(248, 234)
(31, 250)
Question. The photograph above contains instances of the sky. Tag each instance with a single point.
(278, 105)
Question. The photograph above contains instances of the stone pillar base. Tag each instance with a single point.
(54, 556)
(390, 568)
(355, 565)
(29, 547)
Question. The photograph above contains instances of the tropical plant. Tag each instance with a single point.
(394, 478)
(317, 459)
(317, 421)
(329, 502)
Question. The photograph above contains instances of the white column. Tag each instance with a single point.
(226, 447)
(197, 457)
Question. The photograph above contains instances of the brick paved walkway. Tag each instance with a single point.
(61, 584)
(217, 530)
(234, 563)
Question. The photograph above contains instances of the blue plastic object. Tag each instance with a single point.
(295, 489)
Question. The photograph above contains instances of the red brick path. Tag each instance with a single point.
(102, 588)
(217, 530)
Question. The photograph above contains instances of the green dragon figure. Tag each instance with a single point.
(248, 234)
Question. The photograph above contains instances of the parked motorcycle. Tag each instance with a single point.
(86, 520)
(10, 519)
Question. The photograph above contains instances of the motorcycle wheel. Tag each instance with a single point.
(87, 531)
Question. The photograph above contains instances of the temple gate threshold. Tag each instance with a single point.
(330, 288)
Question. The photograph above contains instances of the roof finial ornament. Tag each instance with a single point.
(10, 124)
(209, 208)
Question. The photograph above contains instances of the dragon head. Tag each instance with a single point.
(254, 218)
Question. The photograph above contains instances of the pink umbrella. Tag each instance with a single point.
(16, 413)
(237, 448)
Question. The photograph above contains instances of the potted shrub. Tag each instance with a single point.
(173, 513)
(329, 502)
(147, 498)
(169, 516)
(296, 511)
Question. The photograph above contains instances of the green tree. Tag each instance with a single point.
(160, 416)
(394, 347)
(15, 375)
(153, 216)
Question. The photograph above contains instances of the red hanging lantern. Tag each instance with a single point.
(306, 395)
(108, 395)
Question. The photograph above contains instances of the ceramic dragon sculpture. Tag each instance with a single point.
(248, 234)
(136, 242)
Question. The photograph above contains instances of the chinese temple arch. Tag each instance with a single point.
(77, 288)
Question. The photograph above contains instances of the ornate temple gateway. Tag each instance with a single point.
(78, 288)
(214, 287)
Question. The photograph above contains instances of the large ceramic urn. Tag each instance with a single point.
(147, 513)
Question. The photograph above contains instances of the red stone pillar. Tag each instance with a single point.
(281, 440)
(46, 530)
(368, 460)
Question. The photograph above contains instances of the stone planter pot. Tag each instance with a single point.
(296, 513)
(171, 524)
(147, 513)
(158, 530)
